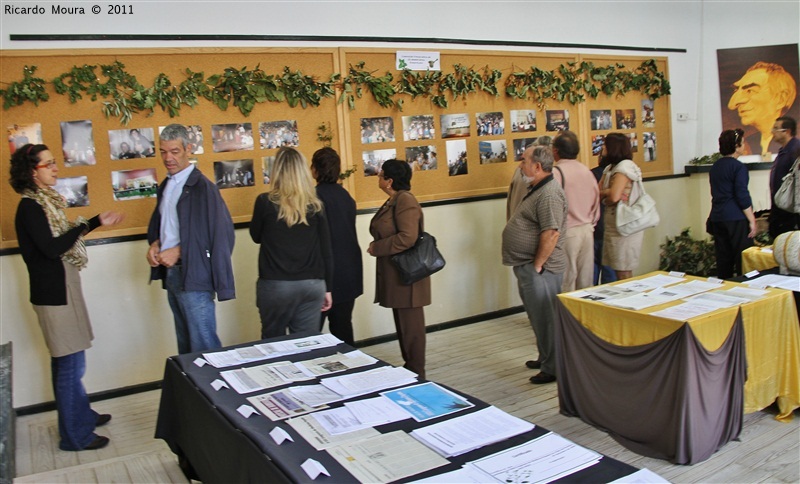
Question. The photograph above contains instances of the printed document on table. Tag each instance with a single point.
(652, 282)
(314, 395)
(369, 381)
(376, 411)
(246, 380)
(339, 420)
(316, 435)
(717, 299)
(427, 401)
(280, 405)
(462, 434)
(298, 345)
(661, 295)
(327, 365)
(685, 311)
(545, 459)
(386, 458)
(236, 356)
(791, 283)
(744, 293)
(602, 293)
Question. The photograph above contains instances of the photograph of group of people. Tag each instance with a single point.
(134, 184)
(373, 160)
(490, 124)
(128, 144)
(523, 120)
(276, 134)
(520, 145)
(234, 173)
(598, 140)
(377, 130)
(232, 137)
(422, 158)
(418, 127)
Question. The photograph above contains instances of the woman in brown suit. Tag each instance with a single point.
(395, 228)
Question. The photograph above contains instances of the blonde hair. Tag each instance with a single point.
(292, 188)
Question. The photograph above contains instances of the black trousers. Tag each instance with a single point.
(340, 319)
(781, 221)
(730, 239)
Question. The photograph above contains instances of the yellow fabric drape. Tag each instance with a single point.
(772, 339)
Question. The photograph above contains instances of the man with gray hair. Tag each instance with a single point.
(533, 247)
(191, 240)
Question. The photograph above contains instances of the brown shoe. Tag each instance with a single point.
(98, 443)
(542, 377)
(533, 364)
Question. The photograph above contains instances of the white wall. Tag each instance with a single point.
(132, 322)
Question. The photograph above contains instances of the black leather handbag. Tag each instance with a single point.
(420, 261)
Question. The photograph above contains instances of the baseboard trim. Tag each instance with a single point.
(94, 397)
(146, 387)
(445, 325)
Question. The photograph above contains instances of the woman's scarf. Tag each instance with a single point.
(53, 205)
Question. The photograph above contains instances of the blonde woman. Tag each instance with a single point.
(295, 265)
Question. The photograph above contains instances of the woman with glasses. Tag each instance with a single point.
(731, 221)
(395, 228)
(54, 251)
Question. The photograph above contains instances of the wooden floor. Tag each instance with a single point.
(483, 359)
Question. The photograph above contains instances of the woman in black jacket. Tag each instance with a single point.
(54, 252)
(348, 277)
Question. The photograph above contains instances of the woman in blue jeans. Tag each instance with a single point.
(54, 252)
(295, 262)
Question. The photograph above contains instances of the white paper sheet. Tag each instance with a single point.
(280, 404)
(542, 460)
(335, 363)
(462, 434)
(652, 282)
(316, 435)
(369, 381)
(338, 420)
(386, 458)
(376, 411)
(791, 283)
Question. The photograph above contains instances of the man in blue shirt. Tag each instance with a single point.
(783, 132)
(191, 240)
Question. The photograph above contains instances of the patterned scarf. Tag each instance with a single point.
(53, 205)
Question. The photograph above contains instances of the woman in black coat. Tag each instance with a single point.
(347, 266)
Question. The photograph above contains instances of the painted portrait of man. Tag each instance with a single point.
(758, 85)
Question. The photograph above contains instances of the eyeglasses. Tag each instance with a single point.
(47, 164)
(779, 129)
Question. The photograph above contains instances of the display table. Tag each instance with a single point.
(671, 389)
(758, 259)
(214, 443)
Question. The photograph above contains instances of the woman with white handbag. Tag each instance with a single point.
(620, 184)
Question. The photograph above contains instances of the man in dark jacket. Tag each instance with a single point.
(783, 132)
(191, 240)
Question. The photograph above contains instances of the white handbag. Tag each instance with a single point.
(787, 197)
(640, 215)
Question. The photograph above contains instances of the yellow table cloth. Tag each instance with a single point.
(758, 259)
(772, 338)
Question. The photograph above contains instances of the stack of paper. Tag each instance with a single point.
(238, 356)
(462, 434)
(254, 378)
(369, 381)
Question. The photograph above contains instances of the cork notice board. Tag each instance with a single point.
(481, 129)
